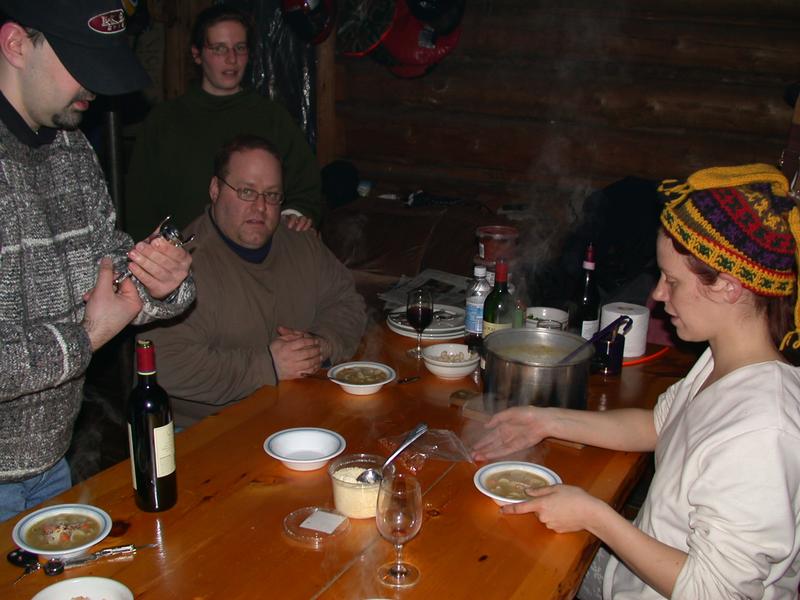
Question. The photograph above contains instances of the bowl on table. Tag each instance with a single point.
(505, 482)
(546, 317)
(450, 361)
(85, 587)
(61, 531)
(304, 448)
(361, 377)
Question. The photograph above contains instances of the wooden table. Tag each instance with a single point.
(224, 538)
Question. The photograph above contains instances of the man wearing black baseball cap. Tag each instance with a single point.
(60, 248)
(88, 36)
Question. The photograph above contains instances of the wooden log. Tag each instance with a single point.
(596, 36)
(642, 101)
(522, 149)
(325, 96)
(767, 9)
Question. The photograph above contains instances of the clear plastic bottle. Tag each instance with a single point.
(477, 290)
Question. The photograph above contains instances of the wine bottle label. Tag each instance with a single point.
(164, 440)
(130, 450)
(473, 320)
(492, 327)
(589, 328)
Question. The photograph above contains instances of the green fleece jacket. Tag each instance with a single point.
(173, 158)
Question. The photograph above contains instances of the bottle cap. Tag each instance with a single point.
(479, 271)
(145, 357)
(501, 271)
(588, 258)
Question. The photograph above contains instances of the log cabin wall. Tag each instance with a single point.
(543, 101)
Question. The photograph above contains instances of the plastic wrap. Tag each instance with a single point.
(437, 444)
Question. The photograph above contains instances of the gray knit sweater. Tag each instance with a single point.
(56, 223)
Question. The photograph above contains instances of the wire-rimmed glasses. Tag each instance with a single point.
(223, 50)
(250, 195)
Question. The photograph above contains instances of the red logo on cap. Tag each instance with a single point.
(112, 21)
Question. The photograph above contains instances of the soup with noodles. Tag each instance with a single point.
(62, 532)
(361, 375)
(512, 483)
(545, 355)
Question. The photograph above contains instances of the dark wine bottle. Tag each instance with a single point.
(151, 436)
(498, 310)
(587, 312)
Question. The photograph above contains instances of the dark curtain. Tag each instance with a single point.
(283, 66)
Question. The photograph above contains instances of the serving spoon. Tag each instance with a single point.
(371, 476)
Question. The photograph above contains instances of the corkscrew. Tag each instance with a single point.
(167, 231)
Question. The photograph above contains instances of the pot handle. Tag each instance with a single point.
(613, 329)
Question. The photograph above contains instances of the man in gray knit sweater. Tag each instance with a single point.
(59, 248)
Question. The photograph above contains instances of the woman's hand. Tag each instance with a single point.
(562, 508)
(511, 430)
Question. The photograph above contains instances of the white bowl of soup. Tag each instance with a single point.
(361, 377)
(85, 587)
(304, 448)
(61, 531)
(505, 482)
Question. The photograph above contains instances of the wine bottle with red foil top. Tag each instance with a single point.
(151, 436)
(498, 310)
(587, 313)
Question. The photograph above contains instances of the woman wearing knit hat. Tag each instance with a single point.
(722, 516)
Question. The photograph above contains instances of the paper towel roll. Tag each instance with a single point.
(636, 338)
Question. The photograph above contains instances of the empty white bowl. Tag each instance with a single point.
(304, 448)
(451, 368)
(361, 389)
(62, 517)
(486, 471)
(546, 317)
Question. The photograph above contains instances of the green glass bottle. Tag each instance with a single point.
(498, 310)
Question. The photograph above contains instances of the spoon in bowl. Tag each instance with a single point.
(371, 476)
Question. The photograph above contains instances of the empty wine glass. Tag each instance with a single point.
(399, 517)
(419, 312)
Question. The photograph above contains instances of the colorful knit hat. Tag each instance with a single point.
(740, 221)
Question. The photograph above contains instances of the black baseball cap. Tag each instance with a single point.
(88, 36)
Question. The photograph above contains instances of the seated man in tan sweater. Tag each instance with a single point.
(272, 303)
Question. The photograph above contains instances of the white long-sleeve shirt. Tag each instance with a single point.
(727, 486)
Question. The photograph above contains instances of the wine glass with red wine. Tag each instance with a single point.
(419, 312)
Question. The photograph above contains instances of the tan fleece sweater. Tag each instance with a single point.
(218, 352)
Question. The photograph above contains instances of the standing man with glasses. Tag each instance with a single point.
(174, 152)
(272, 303)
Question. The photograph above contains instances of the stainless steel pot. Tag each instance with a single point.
(520, 369)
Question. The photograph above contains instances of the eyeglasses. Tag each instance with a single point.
(223, 50)
(250, 195)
